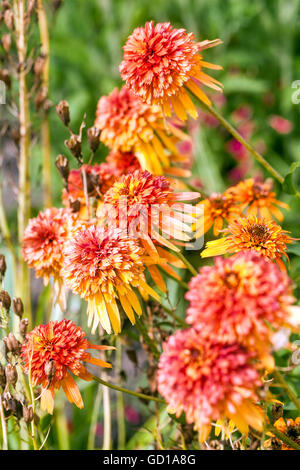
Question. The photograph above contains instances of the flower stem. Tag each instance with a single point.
(150, 343)
(240, 138)
(3, 424)
(33, 436)
(284, 438)
(187, 263)
(293, 397)
(120, 400)
(129, 392)
(45, 49)
(24, 157)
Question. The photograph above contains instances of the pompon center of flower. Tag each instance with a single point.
(259, 232)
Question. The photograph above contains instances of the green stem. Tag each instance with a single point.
(239, 137)
(174, 316)
(293, 397)
(33, 436)
(120, 400)
(150, 343)
(94, 419)
(129, 392)
(284, 438)
(4, 428)
(187, 263)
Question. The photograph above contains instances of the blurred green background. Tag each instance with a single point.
(260, 56)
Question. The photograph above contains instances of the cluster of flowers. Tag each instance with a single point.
(211, 370)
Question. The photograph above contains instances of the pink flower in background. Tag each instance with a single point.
(132, 415)
(280, 124)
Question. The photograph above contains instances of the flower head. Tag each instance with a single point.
(103, 266)
(235, 299)
(123, 162)
(258, 197)
(129, 125)
(50, 352)
(43, 244)
(251, 233)
(217, 209)
(208, 380)
(162, 64)
(147, 204)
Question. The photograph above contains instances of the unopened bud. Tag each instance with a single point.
(50, 369)
(12, 344)
(31, 7)
(11, 374)
(18, 306)
(63, 112)
(2, 267)
(74, 145)
(2, 377)
(27, 414)
(6, 42)
(5, 77)
(5, 300)
(9, 19)
(23, 327)
(39, 65)
(62, 164)
(93, 134)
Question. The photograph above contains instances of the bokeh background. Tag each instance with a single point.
(260, 56)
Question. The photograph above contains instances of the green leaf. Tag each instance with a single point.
(289, 185)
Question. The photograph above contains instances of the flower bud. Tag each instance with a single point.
(63, 112)
(5, 300)
(23, 327)
(2, 267)
(62, 164)
(50, 369)
(18, 306)
(9, 19)
(93, 134)
(27, 414)
(12, 344)
(39, 65)
(74, 145)
(5, 77)
(11, 374)
(6, 42)
(2, 377)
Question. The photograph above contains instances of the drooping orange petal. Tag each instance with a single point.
(72, 391)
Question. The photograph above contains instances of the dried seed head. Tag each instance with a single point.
(41, 98)
(63, 112)
(23, 327)
(5, 300)
(6, 42)
(27, 414)
(5, 77)
(62, 164)
(11, 374)
(277, 411)
(2, 267)
(39, 65)
(74, 145)
(93, 134)
(50, 369)
(12, 344)
(9, 18)
(18, 306)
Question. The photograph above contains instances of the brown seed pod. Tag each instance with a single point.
(5, 77)
(9, 18)
(18, 306)
(23, 327)
(27, 414)
(50, 369)
(6, 42)
(74, 145)
(5, 301)
(2, 267)
(62, 164)
(12, 344)
(11, 374)
(63, 112)
(93, 134)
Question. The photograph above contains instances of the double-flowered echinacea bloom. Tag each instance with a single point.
(238, 299)
(129, 125)
(163, 65)
(251, 233)
(43, 244)
(51, 353)
(209, 380)
(104, 266)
